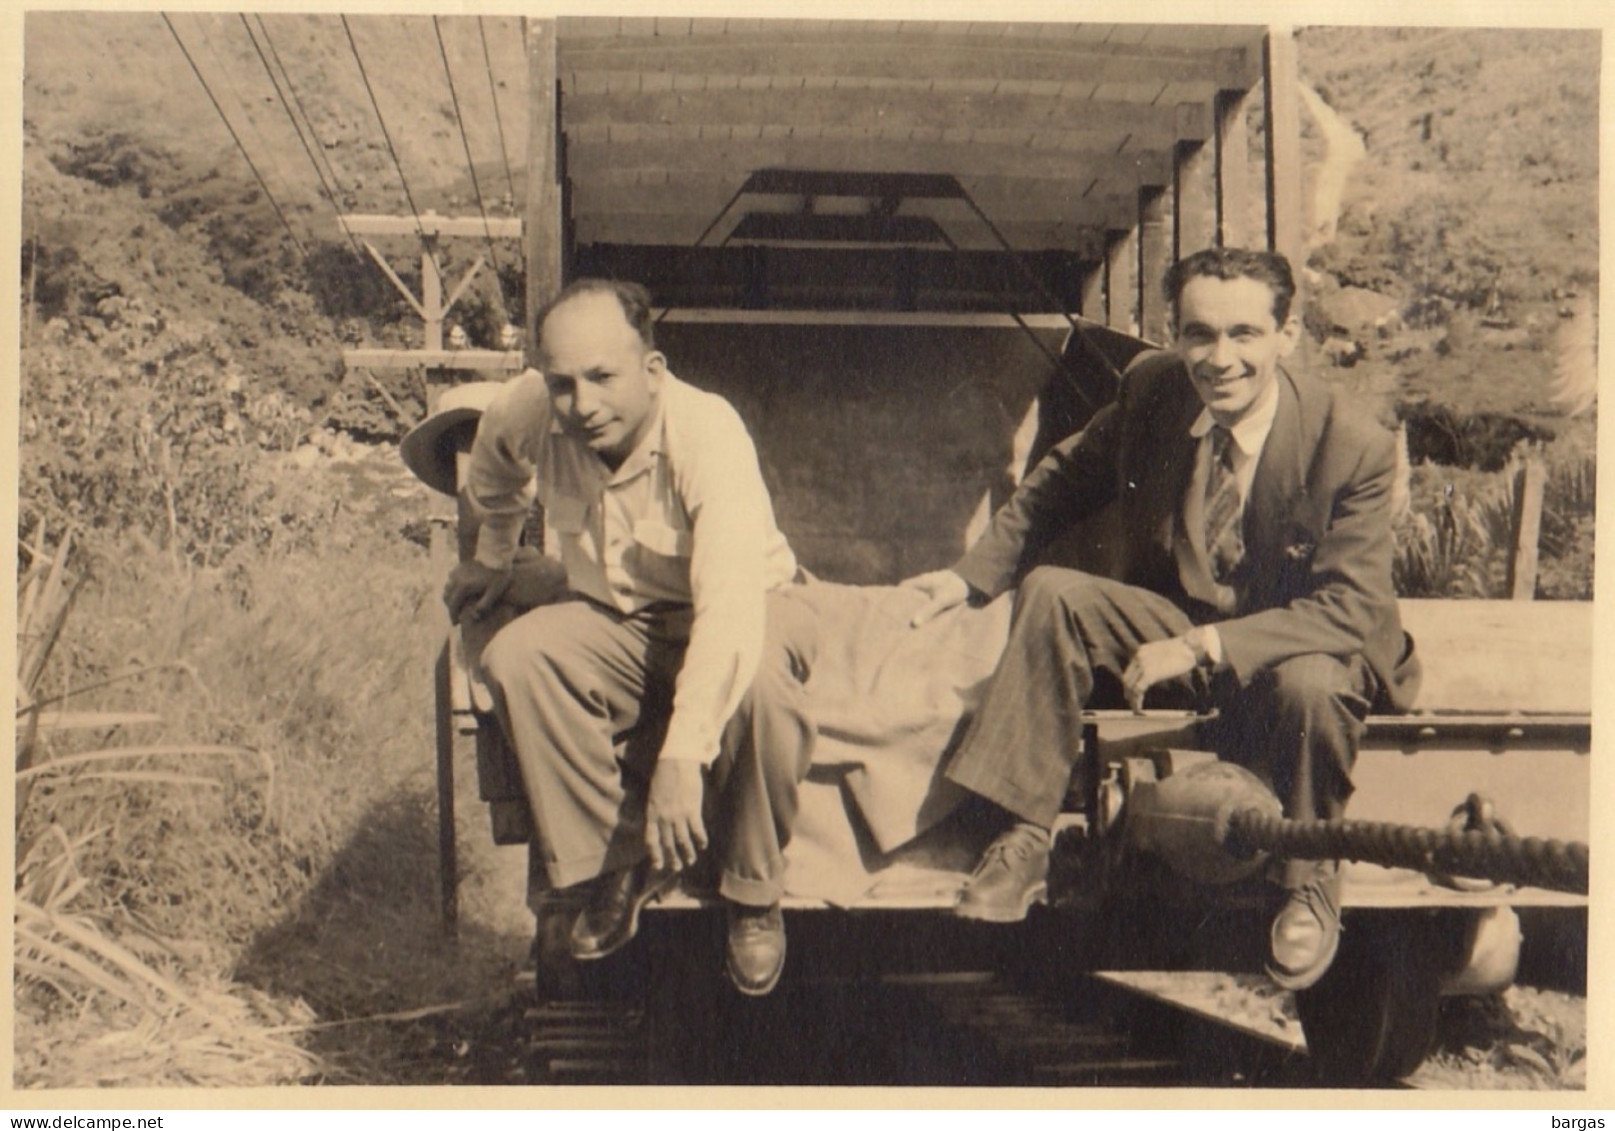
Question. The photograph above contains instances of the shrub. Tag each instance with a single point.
(1486, 440)
(154, 430)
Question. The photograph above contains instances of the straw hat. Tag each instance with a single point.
(429, 448)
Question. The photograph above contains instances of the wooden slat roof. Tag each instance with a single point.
(1053, 128)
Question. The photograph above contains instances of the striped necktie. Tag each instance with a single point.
(1225, 545)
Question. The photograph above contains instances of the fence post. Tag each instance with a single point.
(1529, 483)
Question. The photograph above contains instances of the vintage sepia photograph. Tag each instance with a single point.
(598, 550)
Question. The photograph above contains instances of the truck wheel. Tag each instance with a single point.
(1372, 1017)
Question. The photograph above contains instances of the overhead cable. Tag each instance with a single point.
(387, 137)
(228, 82)
(493, 93)
(223, 117)
(465, 140)
(302, 110)
(330, 193)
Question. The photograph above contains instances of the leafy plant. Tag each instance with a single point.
(1456, 540)
(1455, 547)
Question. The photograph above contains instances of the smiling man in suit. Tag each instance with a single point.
(1253, 574)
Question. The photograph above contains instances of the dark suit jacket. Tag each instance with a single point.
(1317, 525)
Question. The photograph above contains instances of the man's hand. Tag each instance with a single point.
(534, 580)
(473, 590)
(675, 834)
(943, 589)
(1156, 662)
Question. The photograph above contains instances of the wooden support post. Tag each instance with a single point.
(1235, 227)
(543, 215)
(448, 859)
(1154, 257)
(431, 293)
(1281, 84)
(1121, 281)
(1195, 217)
(1529, 484)
(1093, 293)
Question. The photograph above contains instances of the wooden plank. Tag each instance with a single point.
(1195, 217)
(833, 277)
(957, 217)
(939, 58)
(1150, 93)
(544, 211)
(1079, 234)
(1369, 888)
(1121, 281)
(1235, 224)
(465, 281)
(1282, 101)
(1503, 655)
(432, 294)
(1529, 484)
(1075, 85)
(601, 149)
(1186, 990)
(706, 191)
(1541, 793)
(1154, 257)
(430, 223)
(502, 361)
(576, 30)
(1242, 41)
(716, 183)
(889, 108)
(726, 316)
(398, 284)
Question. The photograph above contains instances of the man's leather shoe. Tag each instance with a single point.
(1306, 931)
(755, 954)
(1012, 875)
(610, 919)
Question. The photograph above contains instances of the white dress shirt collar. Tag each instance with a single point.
(1249, 431)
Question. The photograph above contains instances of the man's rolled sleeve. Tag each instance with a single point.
(503, 460)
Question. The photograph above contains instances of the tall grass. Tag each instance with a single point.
(75, 949)
(229, 840)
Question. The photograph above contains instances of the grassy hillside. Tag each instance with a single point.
(1476, 206)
